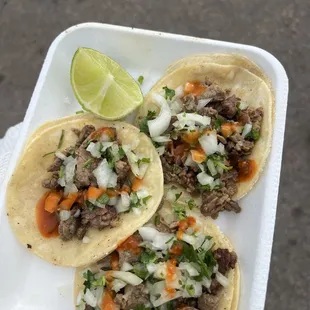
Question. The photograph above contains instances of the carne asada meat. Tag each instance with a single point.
(122, 168)
(225, 259)
(83, 134)
(98, 218)
(68, 228)
(208, 301)
(52, 182)
(134, 296)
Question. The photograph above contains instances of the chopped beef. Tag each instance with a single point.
(216, 201)
(164, 227)
(208, 111)
(225, 259)
(237, 144)
(88, 307)
(127, 256)
(81, 231)
(256, 116)
(244, 117)
(229, 180)
(185, 303)
(190, 103)
(99, 217)
(183, 176)
(122, 168)
(84, 133)
(83, 174)
(133, 297)
(228, 107)
(57, 163)
(67, 229)
(213, 91)
(215, 287)
(52, 182)
(208, 302)
(76, 131)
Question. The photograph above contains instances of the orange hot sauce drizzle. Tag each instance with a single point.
(47, 222)
(107, 301)
(171, 270)
(130, 244)
(246, 169)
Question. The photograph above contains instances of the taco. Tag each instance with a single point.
(179, 260)
(81, 186)
(212, 126)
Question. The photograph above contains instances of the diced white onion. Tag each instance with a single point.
(90, 299)
(70, 169)
(79, 298)
(132, 160)
(204, 178)
(162, 139)
(77, 213)
(158, 288)
(64, 215)
(126, 276)
(202, 103)
(179, 91)
(165, 298)
(160, 271)
(246, 130)
(70, 188)
(103, 173)
(105, 138)
(211, 167)
(197, 289)
(106, 145)
(208, 142)
(191, 239)
(189, 268)
(122, 204)
(142, 193)
(221, 148)
(126, 267)
(112, 180)
(222, 279)
(189, 161)
(206, 282)
(117, 285)
(176, 106)
(151, 268)
(157, 239)
(93, 149)
(112, 201)
(189, 118)
(85, 239)
(243, 105)
(60, 155)
(98, 294)
(161, 150)
(207, 245)
(136, 211)
(220, 170)
(161, 123)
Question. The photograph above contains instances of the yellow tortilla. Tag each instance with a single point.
(230, 295)
(246, 85)
(24, 190)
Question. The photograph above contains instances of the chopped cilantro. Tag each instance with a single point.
(88, 163)
(143, 160)
(145, 199)
(190, 289)
(157, 220)
(179, 210)
(178, 195)
(143, 124)
(148, 256)
(140, 79)
(168, 241)
(50, 153)
(89, 277)
(121, 153)
(104, 199)
(169, 93)
(90, 205)
(61, 172)
(140, 271)
(253, 135)
(79, 112)
(61, 139)
(191, 204)
(217, 124)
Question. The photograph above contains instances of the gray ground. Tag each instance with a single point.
(282, 27)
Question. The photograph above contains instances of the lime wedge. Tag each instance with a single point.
(102, 86)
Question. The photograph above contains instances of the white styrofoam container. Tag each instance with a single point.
(30, 283)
